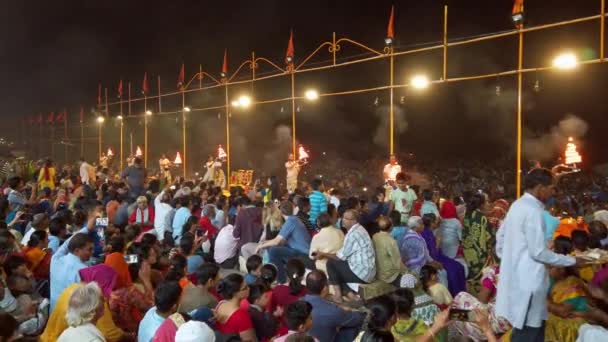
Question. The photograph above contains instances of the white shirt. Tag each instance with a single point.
(335, 201)
(225, 244)
(85, 173)
(160, 212)
(83, 333)
(328, 240)
(293, 168)
(524, 283)
(28, 235)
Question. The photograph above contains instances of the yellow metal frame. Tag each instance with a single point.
(334, 47)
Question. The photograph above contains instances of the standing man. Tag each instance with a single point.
(87, 173)
(103, 160)
(293, 169)
(135, 176)
(318, 201)
(402, 198)
(165, 169)
(391, 169)
(209, 167)
(523, 286)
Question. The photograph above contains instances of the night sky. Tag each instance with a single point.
(53, 57)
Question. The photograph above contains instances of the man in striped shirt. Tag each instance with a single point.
(318, 201)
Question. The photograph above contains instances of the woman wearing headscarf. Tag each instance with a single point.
(105, 277)
(46, 177)
(450, 229)
(476, 238)
(412, 247)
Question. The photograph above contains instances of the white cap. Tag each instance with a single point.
(194, 331)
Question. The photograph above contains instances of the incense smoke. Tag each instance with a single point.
(546, 147)
(276, 156)
(381, 134)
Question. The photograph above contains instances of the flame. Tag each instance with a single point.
(571, 154)
(178, 159)
(110, 153)
(302, 154)
(221, 153)
(138, 152)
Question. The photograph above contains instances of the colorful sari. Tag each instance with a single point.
(128, 306)
(117, 261)
(569, 291)
(455, 271)
(476, 238)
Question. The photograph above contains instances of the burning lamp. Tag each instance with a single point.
(110, 153)
(178, 159)
(187, 109)
(138, 152)
(571, 154)
(148, 112)
(244, 101)
(221, 154)
(420, 82)
(388, 41)
(311, 95)
(119, 117)
(289, 59)
(566, 61)
(517, 18)
(101, 119)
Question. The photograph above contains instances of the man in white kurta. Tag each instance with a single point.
(292, 167)
(524, 283)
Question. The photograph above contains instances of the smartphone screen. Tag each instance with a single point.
(459, 315)
(131, 258)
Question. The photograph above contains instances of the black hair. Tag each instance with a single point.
(377, 335)
(268, 274)
(401, 176)
(8, 327)
(118, 244)
(475, 202)
(192, 220)
(167, 295)
(37, 237)
(243, 201)
(80, 218)
(56, 225)
(303, 202)
(186, 244)
(256, 291)
(316, 281)
(427, 195)
(580, 239)
(207, 272)
(404, 301)
(538, 177)
(331, 209)
(457, 200)
(177, 266)
(597, 232)
(426, 273)
(395, 217)
(132, 232)
(351, 203)
(253, 262)
(149, 239)
(12, 263)
(79, 240)
(300, 337)
(230, 285)
(323, 220)
(428, 219)
(14, 182)
(381, 311)
(562, 245)
(184, 201)
(316, 183)
(297, 313)
(295, 270)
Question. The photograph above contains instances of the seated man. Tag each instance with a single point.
(355, 262)
(293, 241)
(166, 300)
(329, 321)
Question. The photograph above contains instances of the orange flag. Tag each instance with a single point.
(120, 89)
(99, 94)
(518, 12)
(390, 30)
(225, 65)
(290, 50)
(144, 86)
(180, 77)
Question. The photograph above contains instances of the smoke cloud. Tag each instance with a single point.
(545, 147)
(277, 155)
(381, 134)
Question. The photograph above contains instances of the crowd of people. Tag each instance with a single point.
(89, 254)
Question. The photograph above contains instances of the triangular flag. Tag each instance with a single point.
(290, 51)
(120, 89)
(225, 65)
(200, 72)
(518, 13)
(51, 118)
(99, 94)
(144, 86)
(390, 30)
(518, 6)
(61, 117)
(180, 77)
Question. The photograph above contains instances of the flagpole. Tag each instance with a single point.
(200, 76)
(145, 131)
(99, 132)
(81, 132)
(129, 102)
(227, 138)
(184, 130)
(445, 42)
(519, 110)
(392, 104)
(107, 110)
(159, 103)
(65, 135)
(293, 115)
(122, 124)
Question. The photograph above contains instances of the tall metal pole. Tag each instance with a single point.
(602, 29)
(145, 131)
(81, 132)
(122, 124)
(445, 42)
(293, 115)
(99, 139)
(52, 140)
(65, 135)
(107, 109)
(160, 107)
(184, 131)
(129, 91)
(392, 105)
(227, 138)
(519, 114)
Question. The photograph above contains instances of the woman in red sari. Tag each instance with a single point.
(231, 318)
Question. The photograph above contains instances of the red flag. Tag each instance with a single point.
(81, 114)
(120, 89)
(51, 118)
(225, 65)
(144, 86)
(390, 30)
(200, 72)
(518, 13)
(99, 95)
(180, 77)
(518, 6)
(290, 51)
(61, 117)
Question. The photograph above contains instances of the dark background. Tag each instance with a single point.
(54, 54)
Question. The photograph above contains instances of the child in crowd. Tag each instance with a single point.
(264, 323)
(268, 275)
(254, 268)
(430, 283)
(580, 242)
